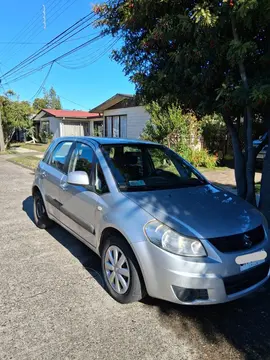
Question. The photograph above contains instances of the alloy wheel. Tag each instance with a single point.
(117, 269)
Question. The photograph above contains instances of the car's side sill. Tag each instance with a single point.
(74, 234)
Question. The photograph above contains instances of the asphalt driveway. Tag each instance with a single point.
(53, 305)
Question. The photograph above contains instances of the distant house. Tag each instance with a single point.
(66, 122)
(121, 117)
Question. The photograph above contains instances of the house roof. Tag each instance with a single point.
(70, 113)
(111, 102)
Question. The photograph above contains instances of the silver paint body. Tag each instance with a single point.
(202, 211)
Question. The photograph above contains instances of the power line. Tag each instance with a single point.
(58, 58)
(56, 41)
(43, 82)
(43, 43)
(54, 15)
(61, 96)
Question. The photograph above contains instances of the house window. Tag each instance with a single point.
(116, 126)
(45, 126)
(98, 128)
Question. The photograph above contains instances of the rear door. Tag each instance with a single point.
(51, 173)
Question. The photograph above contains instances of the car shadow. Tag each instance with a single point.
(89, 260)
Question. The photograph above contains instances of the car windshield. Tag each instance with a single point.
(143, 167)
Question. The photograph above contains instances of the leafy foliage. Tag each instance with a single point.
(180, 131)
(50, 101)
(15, 114)
(185, 51)
(214, 132)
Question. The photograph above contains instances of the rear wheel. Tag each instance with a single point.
(121, 271)
(40, 214)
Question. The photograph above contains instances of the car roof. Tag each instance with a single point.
(106, 140)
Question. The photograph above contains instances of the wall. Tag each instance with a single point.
(137, 117)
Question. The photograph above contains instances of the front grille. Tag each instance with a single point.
(239, 242)
(236, 283)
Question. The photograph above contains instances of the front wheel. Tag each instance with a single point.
(121, 271)
(40, 214)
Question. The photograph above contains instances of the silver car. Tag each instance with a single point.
(158, 225)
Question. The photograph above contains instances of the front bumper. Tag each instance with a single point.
(219, 277)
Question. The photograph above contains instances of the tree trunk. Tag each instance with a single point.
(250, 160)
(8, 140)
(250, 163)
(264, 204)
(239, 160)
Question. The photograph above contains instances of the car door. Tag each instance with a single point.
(81, 205)
(51, 173)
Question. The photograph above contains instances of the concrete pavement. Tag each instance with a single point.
(53, 305)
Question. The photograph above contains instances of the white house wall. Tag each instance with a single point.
(137, 117)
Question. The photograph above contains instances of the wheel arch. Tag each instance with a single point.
(111, 231)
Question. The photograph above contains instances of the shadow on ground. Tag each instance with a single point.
(240, 329)
(89, 260)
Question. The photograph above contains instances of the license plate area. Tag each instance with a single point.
(250, 265)
(249, 261)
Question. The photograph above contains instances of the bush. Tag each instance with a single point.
(200, 158)
(214, 133)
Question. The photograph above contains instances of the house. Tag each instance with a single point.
(122, 117)
(66, 122)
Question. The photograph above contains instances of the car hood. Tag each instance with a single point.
(202, 211)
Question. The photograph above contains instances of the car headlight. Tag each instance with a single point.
(167, 239)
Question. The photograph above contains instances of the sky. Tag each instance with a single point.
(22, 33)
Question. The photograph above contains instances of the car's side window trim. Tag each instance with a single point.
(64, 171)
(96, 162)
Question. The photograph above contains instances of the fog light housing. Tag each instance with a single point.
(190, 295)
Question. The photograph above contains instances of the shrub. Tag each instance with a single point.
(200, 158)
(214, 133)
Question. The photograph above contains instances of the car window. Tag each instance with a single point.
(48, 152)
(60, 154)
(149, 167)
(82, 159)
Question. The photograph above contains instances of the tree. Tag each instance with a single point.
(39, 103)
(14, 113)
(211, 56)
(50, 101)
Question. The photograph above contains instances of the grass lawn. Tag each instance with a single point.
(38, 147)
(30, 162)
(7, 152)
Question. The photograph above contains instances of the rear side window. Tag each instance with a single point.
(60, 154)
(48, 152)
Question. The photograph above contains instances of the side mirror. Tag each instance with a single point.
(78, 178)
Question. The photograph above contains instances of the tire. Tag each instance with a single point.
(40, 214)
(134, 290)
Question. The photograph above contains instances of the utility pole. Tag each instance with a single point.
(2, 142)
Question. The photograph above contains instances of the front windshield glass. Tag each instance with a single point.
(143, 167)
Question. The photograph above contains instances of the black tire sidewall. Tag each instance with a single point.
(41, 222)
(135, 291)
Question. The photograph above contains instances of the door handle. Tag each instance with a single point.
(64, 186)
(43, 174)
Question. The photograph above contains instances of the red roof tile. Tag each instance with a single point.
(70, 113)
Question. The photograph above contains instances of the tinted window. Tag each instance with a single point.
(60, 154)
(82, 159)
